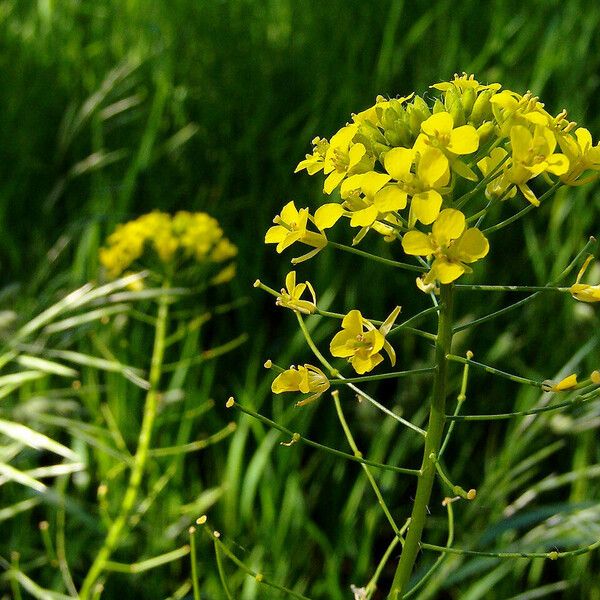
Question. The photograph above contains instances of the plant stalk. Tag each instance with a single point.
(139, 460)
(433, 441)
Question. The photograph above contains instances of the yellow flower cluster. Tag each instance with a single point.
(401, 164)
(174, 240)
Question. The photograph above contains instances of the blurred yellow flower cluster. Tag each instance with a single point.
(171, 241)
(400, 164)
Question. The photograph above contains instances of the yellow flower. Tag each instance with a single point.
(511, 109)
(463, 83)
(582, 155)
(438, 131)
(175, 240)
(291, 296)
(583, 291)
(291, 227)
(431, 175)
(451, 244)
(305, 379)
(532, 155)
(360, 342)
(568, 383)
(343, 157)
(313, 163)
(500, 186)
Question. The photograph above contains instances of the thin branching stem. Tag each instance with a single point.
(524, 301)
(494, 371)
(295, 437)
(357, 452)
(386, 261)
(462, 396)
(362, 394)
(260, 578)
(577, 401)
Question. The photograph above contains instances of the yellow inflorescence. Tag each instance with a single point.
(401, 164)
(174, 240)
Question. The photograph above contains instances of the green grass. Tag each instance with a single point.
(111, 109)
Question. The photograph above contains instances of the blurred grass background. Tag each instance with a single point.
(114, 108)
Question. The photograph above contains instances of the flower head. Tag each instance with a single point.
(438, 131)
(533, 154)
(313, 163)
(344, 157)
(360, 342)
(305, 379)
(582, 155)
(451, 244)
(291, 226)
(291, 296)
(583, 291)
(177, 241)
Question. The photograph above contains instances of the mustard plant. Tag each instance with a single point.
(181, 254)
(428, 174)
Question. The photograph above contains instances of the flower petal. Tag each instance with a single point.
(439, 124)
(372, 182)
(275, 234)
(445, 271)
(520, 140)
(328, 215)
(289, 213)
(433, 168)
(417, 243)
(333, 180)
(355, 154)
(425, 207)
(389, 198)
(448, 226)
(288, 381)
(471, 246)
(353, 322)
(340, 346)
(464, 140)
(363, 364)
(398, 162)
(290, 282)
(364, 217)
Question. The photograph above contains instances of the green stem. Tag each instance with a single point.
(527, 299)
(371, 587)
(521, 213)
(357, 452)
(494, 371)
(335, 372)
(260, 578)
(379, 259)
(440, 558)
(435, 430)
(295, 438)
(221, 571)
(382, 376)
(552, 555)
(139, 461)
(510, 288)
(462, 396)
(194, 560)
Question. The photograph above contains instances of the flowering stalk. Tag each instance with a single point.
(139, 460)
(433, 441)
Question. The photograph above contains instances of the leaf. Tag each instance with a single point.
(35, 440)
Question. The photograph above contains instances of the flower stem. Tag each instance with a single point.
(433, 442)
(139, 460)
(386, 261)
